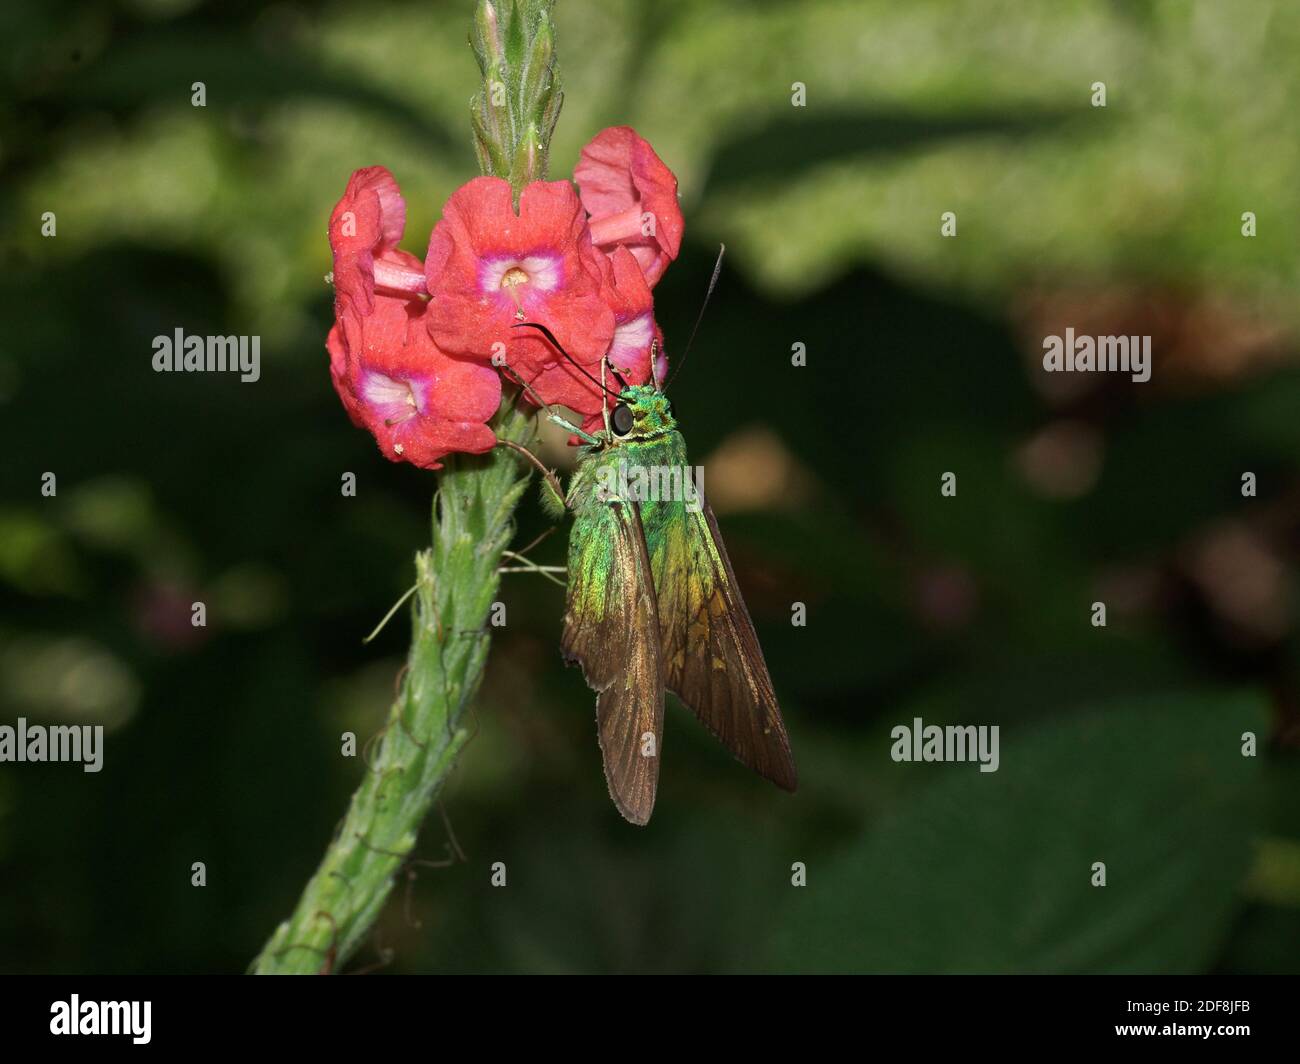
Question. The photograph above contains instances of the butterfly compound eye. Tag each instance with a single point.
(620, 420)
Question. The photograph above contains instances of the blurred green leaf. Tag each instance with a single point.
(238, 71)
(789, 145)
(991, 872)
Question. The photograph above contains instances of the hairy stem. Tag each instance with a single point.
(456, 584)
(512, 117)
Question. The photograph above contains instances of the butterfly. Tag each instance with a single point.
(652, 604)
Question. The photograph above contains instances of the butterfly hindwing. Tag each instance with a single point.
(610, 627)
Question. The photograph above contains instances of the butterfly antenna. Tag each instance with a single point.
(713, 283)
(556, 344)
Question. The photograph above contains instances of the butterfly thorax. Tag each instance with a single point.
(651, 439)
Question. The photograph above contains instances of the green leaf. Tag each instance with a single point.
(991, 872)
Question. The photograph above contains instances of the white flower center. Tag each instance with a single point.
(394, 399)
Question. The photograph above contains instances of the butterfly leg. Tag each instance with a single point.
(582, 434)
(586, 437)
(527, 565)
(604, 389)
(552, 481)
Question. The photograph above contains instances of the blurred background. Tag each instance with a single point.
(1120, 744)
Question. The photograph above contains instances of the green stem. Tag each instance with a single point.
(512, 117)
(456, 584)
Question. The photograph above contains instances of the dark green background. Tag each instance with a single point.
(1120, 744)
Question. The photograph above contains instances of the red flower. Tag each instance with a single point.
(421, 375)
(419, 402)
(631, 197)
(489, 268)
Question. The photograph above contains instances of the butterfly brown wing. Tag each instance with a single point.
(610, 628)
(712, 659)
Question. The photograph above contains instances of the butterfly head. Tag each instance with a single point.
(642, 411)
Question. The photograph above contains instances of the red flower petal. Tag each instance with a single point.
(631, 197)
(635, 332)
(563, 385)
(371, 216)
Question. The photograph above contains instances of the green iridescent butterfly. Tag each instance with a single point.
(652, 604)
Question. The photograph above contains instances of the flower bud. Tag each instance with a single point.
(528, 161)
(537, 77)
(488, 46)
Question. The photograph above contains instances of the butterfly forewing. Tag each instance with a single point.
(610, 626)
(711, 656)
